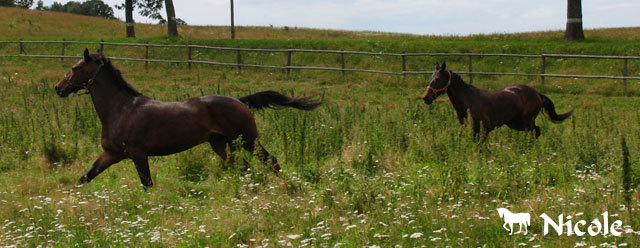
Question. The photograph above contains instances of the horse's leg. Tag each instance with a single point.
(103, 162)
(480, 130)
(250, 141)
(141, 161)
(524, 124)
(519, 231)
(219, 144)
(268, 159)
(511, 227)
(223, 146)
(476, 129)
(505, 226)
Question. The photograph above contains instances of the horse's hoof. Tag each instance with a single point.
(147, 187)
(276, 169)
(83, 180)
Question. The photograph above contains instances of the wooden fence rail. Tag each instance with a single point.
(287, 67)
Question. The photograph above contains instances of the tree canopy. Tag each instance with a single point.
(88, 8)
(25, 4)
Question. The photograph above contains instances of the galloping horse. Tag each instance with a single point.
(516, 105)
(135, 126)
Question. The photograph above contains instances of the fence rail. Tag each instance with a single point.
(289, 51)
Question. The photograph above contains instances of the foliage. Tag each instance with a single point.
(373, 166)
(88, 8)
(178, 22)
(25, 4)
(6, 3)
(147, 8)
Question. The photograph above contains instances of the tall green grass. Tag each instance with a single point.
(373, 166)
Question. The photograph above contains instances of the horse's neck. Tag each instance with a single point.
(108, 98)
(461, 95)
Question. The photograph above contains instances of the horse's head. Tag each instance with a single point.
(438, 84)
(80, 76)
(502, 211)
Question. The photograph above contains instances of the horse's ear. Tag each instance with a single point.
(444, 65)
(87, 58)
(437, 66)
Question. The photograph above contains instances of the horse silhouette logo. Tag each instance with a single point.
(524, 219)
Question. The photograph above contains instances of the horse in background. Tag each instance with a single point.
(516, 105)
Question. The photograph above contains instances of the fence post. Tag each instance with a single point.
(62, 58)
(146, 55)
(189, 56)
(21, 48)
(239, 59)
(542, 69)
(343, 65)
(101, 47)
(625, 74)
(470, 69)
(288, 61)
(404, 63)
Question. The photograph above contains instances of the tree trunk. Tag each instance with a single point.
(129, 18)
(574, 31)
(171, 18)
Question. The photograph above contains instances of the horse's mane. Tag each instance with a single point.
(457, 78)
(117, 76)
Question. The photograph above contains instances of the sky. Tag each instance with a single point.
(423, 17)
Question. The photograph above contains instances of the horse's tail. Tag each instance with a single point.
(270, 98)
(551, 110)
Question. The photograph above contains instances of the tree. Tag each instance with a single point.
(151, 9)
(179, 22)
(88, 8)
(6, 3)
(574, 31)
(98, 8)
(25, 4)
(40, 5)
(171, 19)
(129, 18)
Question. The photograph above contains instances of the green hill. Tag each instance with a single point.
(24, 23)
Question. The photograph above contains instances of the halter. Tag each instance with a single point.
(443, 88)
(85, 85)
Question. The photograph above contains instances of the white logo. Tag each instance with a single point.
(565, 224)
(524, 219)
(593, 229)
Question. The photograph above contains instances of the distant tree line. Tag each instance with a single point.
(88, 8)
(25, 4)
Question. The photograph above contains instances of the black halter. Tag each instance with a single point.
(86, 85)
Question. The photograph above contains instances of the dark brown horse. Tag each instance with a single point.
(135, 126)
(516, 105)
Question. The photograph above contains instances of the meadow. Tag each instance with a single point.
(372, 167)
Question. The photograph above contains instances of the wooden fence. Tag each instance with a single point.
(289, 52)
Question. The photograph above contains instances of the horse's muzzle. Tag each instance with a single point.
(59, 92)
(427, 100)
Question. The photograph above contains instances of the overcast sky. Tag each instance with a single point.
(448, 17)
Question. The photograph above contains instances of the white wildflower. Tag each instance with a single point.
(294, 236)
(416, 235)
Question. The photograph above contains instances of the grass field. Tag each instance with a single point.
(373, 166)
